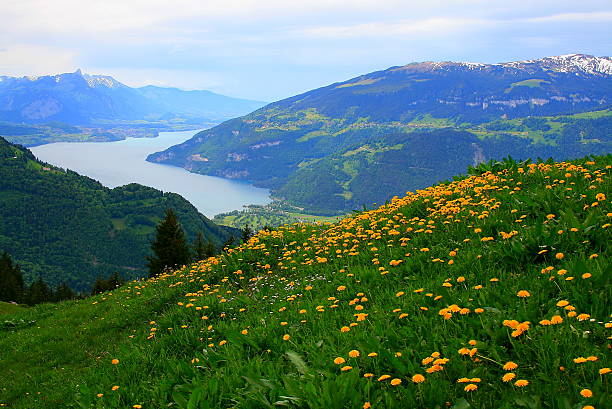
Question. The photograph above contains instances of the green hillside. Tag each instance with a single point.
(8, 308)
(491, 291)
(69, 228)
(362, 141)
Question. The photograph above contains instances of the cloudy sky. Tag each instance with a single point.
(271, 49)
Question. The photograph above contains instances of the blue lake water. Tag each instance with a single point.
(122, 162)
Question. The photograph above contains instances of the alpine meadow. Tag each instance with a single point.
(418, 217)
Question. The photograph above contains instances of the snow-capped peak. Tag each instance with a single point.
(570, 63)
(101, 81)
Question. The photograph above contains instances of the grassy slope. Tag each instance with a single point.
(434, 274)
(7, 308)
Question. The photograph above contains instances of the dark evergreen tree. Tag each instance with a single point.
(247, 233)
(170, 249)
(11, 280)
(99, 286)
(202, 249)
(39, 292)
(63, 292)
(229, 243)
(210, 249)
(114, 281)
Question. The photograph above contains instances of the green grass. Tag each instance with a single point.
(272, 215)
(7, 308)
(434, 275)
(532, 83)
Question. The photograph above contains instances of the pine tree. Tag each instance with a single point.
(199, 247)
(247, 233)
(99, 286)
(39, 292)
(11, 280)
(170, 249)
(210, 249)
(228, 243)
(202, 249)
(114, 281)
(63, 292)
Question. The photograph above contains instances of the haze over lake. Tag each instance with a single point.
(122, 162)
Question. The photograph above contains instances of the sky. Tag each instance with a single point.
(272, 49)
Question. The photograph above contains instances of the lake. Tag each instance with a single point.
(119, 163)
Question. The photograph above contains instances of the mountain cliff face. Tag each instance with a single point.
(81, 99)
(69, 228)
(331, 148)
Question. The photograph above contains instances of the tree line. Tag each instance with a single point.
(170, 251)
(13, 288)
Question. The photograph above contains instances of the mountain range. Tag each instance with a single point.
(80, 99)
(366, 139)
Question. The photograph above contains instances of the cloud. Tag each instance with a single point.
(433, 26)
(603, 16)
(267, 49)
(31, 59)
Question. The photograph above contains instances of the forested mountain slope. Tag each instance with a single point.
(69, 228)
(364, 140)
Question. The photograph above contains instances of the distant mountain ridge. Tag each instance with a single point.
(568, 63)
(82, 99)
(407, 127)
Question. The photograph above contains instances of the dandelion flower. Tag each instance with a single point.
(346, 368)
(418, 378)
(354, 353)
(395, 381)
(470, 387)
(604, 371)
(586, 393)
(508, 377)
(559, 256)
(115, 361)
(339, 360)
(383, 378)
(367, 405)
(523, 294)
(521, 383)
(114, 388)
(286, 337)
(556, 319)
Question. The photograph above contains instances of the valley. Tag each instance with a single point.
(433, 235)
(123, 162)
(362, 141)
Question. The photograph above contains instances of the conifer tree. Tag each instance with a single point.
(247, 233)
(63, 292)
(39, 292)
(202, 249)
(99, 286)
(170, 249)
(228, 243)
(114, 281)
(11, 280)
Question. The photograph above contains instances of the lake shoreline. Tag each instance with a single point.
(118, 163)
